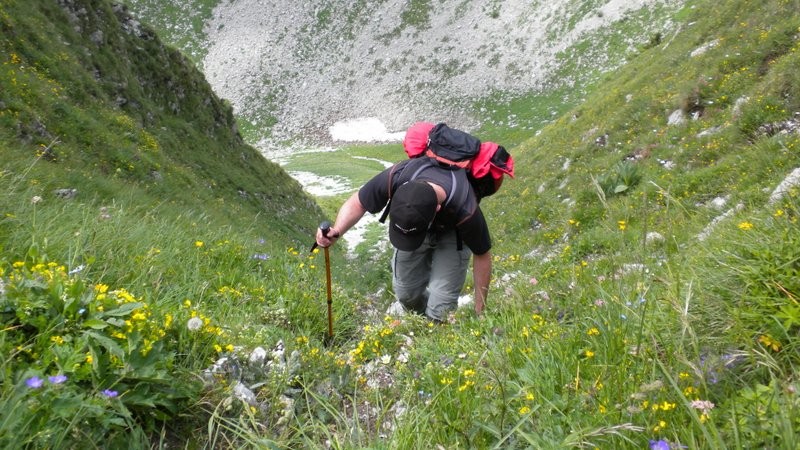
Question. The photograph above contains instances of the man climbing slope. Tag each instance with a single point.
(435, 225)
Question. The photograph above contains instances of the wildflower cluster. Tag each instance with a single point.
(377, 341)
(537, 326)
(82, 343)
(203, 331)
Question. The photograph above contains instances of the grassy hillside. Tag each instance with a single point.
(645, 292)
(101, 106)
(121, 172)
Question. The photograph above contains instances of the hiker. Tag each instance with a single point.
(435, 224)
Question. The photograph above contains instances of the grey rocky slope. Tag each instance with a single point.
(304, 65)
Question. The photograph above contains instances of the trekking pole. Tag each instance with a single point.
(325, 227)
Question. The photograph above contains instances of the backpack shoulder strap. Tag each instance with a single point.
(391, 173)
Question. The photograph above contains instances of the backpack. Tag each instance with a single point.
(485, 162)
(452, 148)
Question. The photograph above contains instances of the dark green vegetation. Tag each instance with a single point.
(104, 107)
(646, 274)
(116, 159)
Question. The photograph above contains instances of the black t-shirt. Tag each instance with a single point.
(460, 210)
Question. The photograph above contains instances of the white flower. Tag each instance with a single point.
(194, 324)
(703, 405)
(36, 199)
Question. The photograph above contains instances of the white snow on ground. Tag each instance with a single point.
(364, 130)
(320, 186)
(281, 153)
(356, 234)
(386, 164)
(359, 130)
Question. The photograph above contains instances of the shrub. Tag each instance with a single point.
(84, 361)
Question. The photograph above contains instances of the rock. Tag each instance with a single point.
(678, 117)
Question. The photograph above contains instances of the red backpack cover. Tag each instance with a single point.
(492, 158)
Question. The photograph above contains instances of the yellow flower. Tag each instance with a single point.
(661, 425)
(745, 226)
(524, 410)
(217, 348)
(187, 303)
(198, 244)
(622, 225)
(529, 397)
(588, 353)
(593, 332)
(89, 358)
(465, 386)
(58, 340)
(770, 343)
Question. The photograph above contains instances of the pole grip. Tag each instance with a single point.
(325, 226)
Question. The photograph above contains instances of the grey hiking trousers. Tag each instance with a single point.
(429, 280)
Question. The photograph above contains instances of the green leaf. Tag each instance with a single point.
(124, 309)
(620, 188)
(66, 406)
(108, 343)
(95, 324)
(116, 322)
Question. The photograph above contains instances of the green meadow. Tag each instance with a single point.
(158, 288)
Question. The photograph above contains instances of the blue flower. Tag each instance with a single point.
(57, 379)
(659, 445)
(109, 393)
(34, 382)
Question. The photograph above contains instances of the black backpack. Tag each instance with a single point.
(452, 148)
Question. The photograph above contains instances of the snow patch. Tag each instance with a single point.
(364, 130)
(321, 186)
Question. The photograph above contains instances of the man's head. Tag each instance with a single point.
(412, 210)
